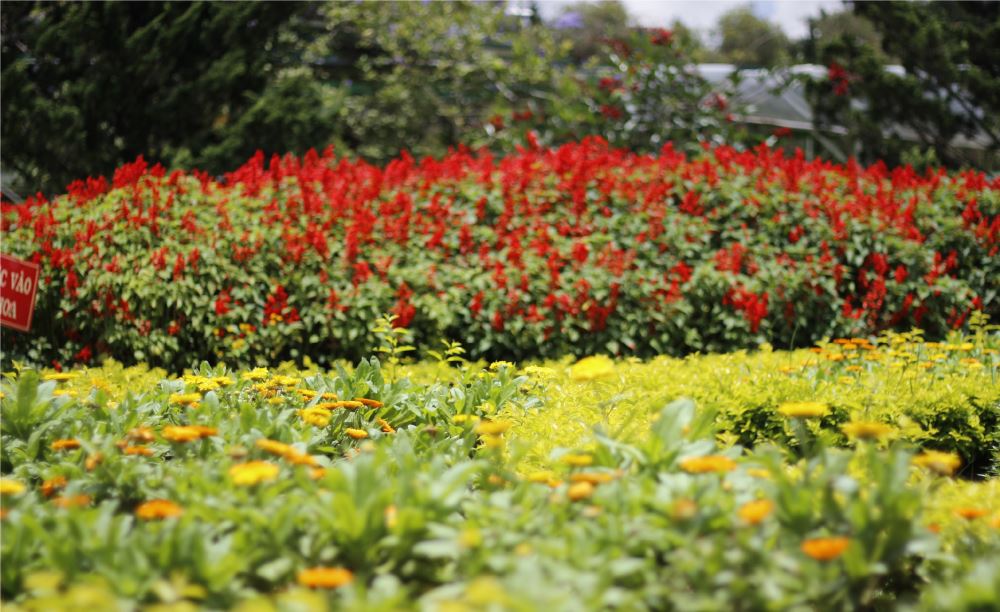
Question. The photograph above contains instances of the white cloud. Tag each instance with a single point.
(702, 15)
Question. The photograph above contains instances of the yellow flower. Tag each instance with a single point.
(367, 402)
(708, 464)
(184, 399)
(325, 577)
(971, 363)
(936, 461)
(496, 365)
(316, 416)
(759, 473)
(539, 372)
(68, 444)
(590, 368)
(683, 509)
(253, 472)
(357, 434)
(145, 451)
(274, 447)
(182, 433)
(825, 549)
(577, 460)
(61, 376)
(756, 511)
(307, 394)
(11, 487)
(209, 384)
(93, 461)
(580, 490)
(286, 381)
(540, 477)
(257, 374)
(866, 430)
(141, 434)
(803, 410)
(492, 428)
(386, 427)
(462, 418)
(72, 501)
(348, 404)
(970, 514)
(492, 441)
(158, 509)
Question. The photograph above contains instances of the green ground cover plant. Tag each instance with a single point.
(453, 485)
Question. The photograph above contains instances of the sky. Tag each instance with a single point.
(702, 15)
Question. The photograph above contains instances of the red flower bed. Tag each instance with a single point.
(580, 249)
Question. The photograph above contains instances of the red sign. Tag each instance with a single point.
(18, 284)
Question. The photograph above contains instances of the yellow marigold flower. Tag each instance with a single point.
(205, 432)
(184, 399)
(866, 430)
(580, 490)
(325, 577)
(72, 501)
(222, 381)
(11, 487)
(967, 346)
(141, 434)
(286, 381)
(854, 368)
(577, 460)
(803, 410)
(181, 433)
(369, 402)
(492, 428)
(307, 394)
(50, 486)
(462, 418)
(276, 401)
(590, 368)
(357, 434)
(209, 384)
(708, 464)
(297, 458)
(825, 549)
(61, 376)
(317, 473)
(316, 416)
(539, 372)
(492, 441)
(64, 393)
(970, 514)
(759, 473)
(274, 447)
(971, 363)
(348, 404)
(386, 427)
(496, 365)
(936, 461)
(540, 477)
(158, 509)
(66, 444)
(143, 451)
(253, 472)
(756, 511)
(255, 374)
(594, 478)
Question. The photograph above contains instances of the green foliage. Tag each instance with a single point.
(948, 88)
(751, 42)
(159, 79)
(443, 514)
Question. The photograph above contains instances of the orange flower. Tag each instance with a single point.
(141, 434)
(138, 450)
(317, 473)
(756, 511)
(325, 577)
(349, 404)
(938, 462)
(205, 432)
(594, 478)
(72, 501)
(357, 434)
(708, 464)
(866, 430)
(93, 461)
(158, 509)
(386, 427)
(369, 402)
(50, 486)
(67, 444)
(825, 549)
(970, 514)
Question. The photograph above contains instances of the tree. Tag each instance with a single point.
(947, 90)
(586, 26)
(90, 85)
(751, 42)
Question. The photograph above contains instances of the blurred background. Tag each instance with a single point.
(88, 86)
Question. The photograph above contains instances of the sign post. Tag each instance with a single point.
(18, 287)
